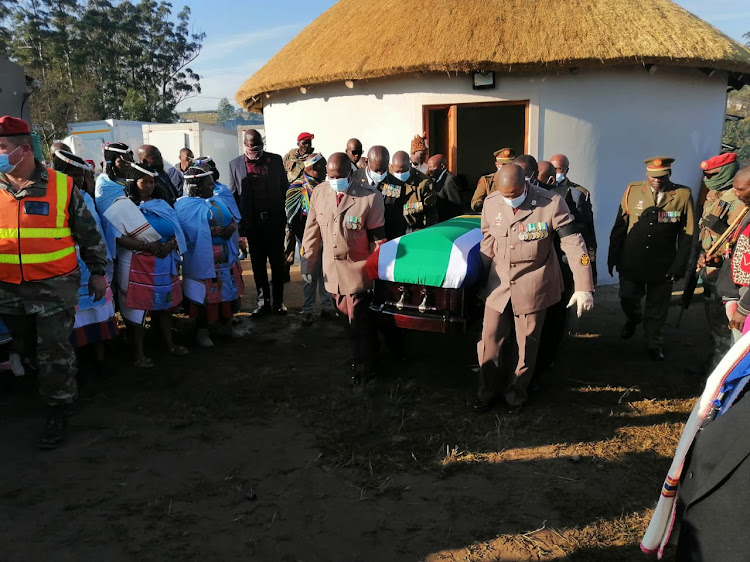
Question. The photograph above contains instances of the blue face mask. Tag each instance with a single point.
(339, 185)
(375, 177)
(5, 166)
(517, 201)
(402, 176)
(559, 178)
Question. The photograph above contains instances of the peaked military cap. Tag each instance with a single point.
(658, 166)
(505, 155)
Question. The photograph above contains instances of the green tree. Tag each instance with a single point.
(225, 112)
(98, 59)
(737, 133)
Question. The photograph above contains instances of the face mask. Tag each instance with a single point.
(515, 203)
(254, 153)
(375, 177)
(559, 178)
(339, 185)
(5, 166)
(402, 176)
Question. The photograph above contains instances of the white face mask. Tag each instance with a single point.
(375, 177)
(516, 202)
(339, 185)
(402, 176)
(560, 177)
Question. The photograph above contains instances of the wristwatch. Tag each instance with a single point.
(98, 271)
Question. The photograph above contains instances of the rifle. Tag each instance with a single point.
(691, 282)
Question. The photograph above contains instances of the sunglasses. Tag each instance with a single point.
(356, 151)
(708, 175)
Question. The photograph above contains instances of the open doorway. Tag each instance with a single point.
(467, 134)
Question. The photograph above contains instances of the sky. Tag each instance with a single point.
(241, 36)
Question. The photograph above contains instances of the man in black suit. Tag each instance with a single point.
(712, 498)
(259, 183)
(449, 203)
(376, 175)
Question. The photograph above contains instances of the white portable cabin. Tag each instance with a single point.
(201, 138)
(87, 138)
(608, 84)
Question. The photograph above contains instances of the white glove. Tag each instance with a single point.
(583, 299)
(307, 278)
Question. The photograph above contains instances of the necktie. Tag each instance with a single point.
(339, 197)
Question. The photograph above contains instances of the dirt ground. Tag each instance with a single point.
(260, 450)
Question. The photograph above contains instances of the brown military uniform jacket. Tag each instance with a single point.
(348, 233)
(485, 186)
(420, 206)
(524, 268)
(650, 241)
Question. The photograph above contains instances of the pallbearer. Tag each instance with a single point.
(347, 218)
(519, 220)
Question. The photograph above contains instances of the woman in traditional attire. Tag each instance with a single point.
(95, 320)
(148, 239)
(109, 187)
(212, 275)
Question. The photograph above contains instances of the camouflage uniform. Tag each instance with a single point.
(50, 303)
(719, 211)
(294, 164)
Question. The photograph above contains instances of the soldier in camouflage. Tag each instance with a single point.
(294, 160)
(47, 303)
(719, 211)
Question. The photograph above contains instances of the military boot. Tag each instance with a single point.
(54, 429)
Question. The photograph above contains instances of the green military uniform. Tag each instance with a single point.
(486, 184)
(719, 211)
(420, 201)
(50, 303)
(294, 164)
(650, 247)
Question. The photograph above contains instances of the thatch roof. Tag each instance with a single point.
(362, 39)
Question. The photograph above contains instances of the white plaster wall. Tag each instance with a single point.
(606, 122)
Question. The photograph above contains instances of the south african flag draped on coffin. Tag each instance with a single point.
(444, 255)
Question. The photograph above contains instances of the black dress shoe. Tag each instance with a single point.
(261, 311)
(280, 310)
(482, 405)
(328, 315)
(627, 330)
(54, 429)
(515, 410)
(362, 374)
(656, 354)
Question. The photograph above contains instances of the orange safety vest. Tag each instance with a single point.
(35, 238)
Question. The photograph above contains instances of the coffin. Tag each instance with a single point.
(425, 280)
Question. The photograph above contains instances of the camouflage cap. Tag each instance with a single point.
(505, 156)
(658, 166)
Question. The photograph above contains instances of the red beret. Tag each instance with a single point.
(12, 126)
(305, 136)
(718, 161)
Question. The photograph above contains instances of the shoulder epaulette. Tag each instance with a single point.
(582, 189)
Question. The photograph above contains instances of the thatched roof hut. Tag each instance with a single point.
(359, 39)
(610, 83)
